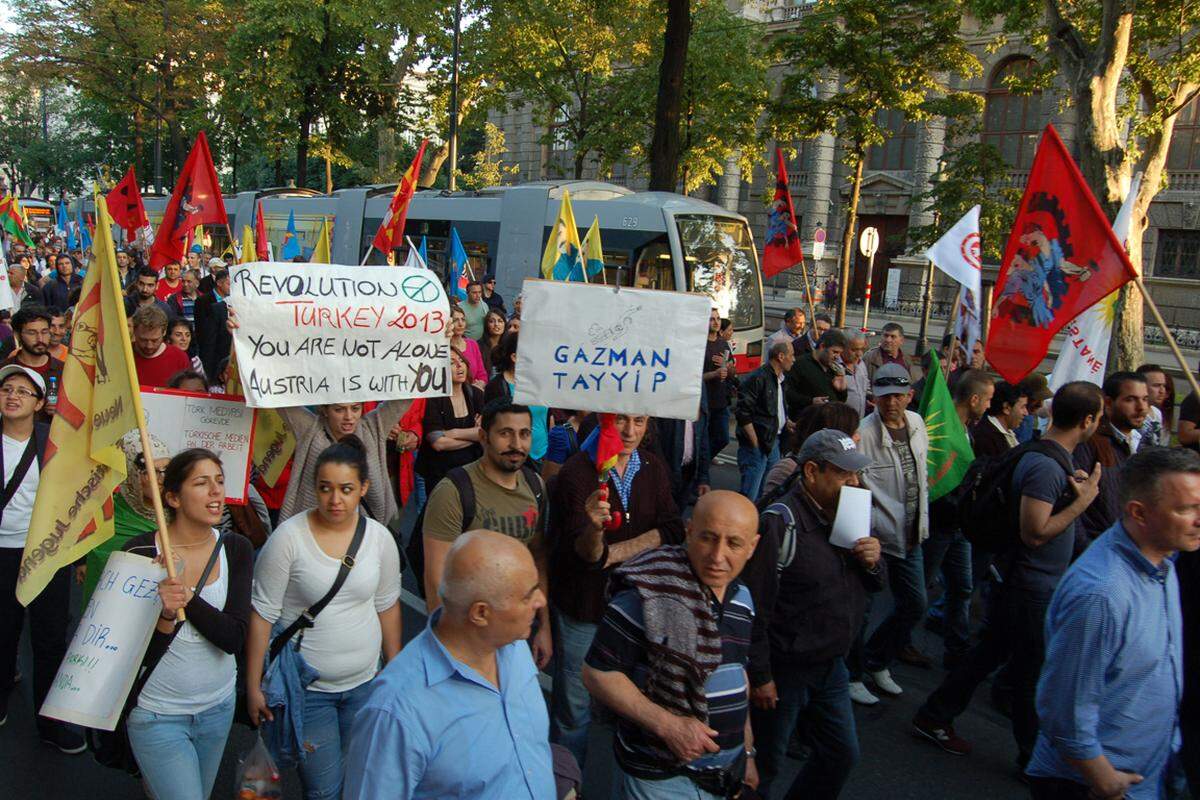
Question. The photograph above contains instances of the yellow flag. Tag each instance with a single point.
(98, 403)
(322, 252)
(273, 444)
(248, 252)
(562, 260)
(593, 251)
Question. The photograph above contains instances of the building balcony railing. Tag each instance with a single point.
(785, 11)
(1183, 181)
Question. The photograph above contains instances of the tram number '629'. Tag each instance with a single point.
(629, 222)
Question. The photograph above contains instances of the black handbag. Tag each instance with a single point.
(111, 748)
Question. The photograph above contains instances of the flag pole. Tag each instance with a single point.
(812, 314)
(1162, 324)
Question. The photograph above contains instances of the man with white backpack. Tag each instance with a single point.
(810, 597)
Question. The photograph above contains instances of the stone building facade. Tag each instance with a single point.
(899, 171)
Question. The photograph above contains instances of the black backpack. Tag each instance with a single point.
(988, 509)
(415, 552)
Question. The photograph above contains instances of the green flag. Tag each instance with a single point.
(950, 451)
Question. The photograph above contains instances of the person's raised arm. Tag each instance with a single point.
(1039, 525)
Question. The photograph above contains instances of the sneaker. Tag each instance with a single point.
(860, 694)
(914, 658)
(65, 739)
(883, 681)
(941, 735)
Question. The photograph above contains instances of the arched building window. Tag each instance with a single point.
(898, 152)
(1184, 155)
(1012, 122)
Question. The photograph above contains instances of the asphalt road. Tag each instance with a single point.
(894, 763)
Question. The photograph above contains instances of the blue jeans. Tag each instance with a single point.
(754, 464)
(327, 720)
(678, 788)
(906, 579)
(179, 754)
(570, 703)
(949, 553)
(821, 695)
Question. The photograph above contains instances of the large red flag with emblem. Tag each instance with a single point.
(1062, 257)
(125, 206)
(782, 249)
(196, 201)
(261, 250)
(391, 230)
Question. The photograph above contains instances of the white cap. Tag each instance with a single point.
(17, 369)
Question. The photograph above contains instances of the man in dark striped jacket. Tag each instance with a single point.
(669, 658)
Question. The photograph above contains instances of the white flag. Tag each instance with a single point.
(957, 252)
(1084, 354)
(7, 299)
(413, 259)
(965, 319)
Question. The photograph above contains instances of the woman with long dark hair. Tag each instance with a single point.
(451, 426)
(493, 330)
(181, 720)
(295, 569)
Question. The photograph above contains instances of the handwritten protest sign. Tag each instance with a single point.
(628, 351)
(312, 334)
(95, 677)
(220, 423)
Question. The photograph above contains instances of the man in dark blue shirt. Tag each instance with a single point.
(1051, 499)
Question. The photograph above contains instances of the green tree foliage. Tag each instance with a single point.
(488, 168)
(897, 56)
(1128, 69)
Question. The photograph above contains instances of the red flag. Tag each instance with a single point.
(1062, 257)
(196, 201)
(782, 249)
(260, 235)
(125, 206)
(391, 229)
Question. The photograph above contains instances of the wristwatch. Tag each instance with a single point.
(751, 752)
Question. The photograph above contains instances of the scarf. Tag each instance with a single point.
(683, 644)
(131, 488)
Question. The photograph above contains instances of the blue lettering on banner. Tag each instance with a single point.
(611, 357)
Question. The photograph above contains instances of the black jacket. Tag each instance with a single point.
(808, 379)
(1111, 453)
(213, 339)
(56, 291)
(809, 611)
(758, 404)
(670, 444)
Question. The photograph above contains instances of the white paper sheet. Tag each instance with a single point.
(853, 520)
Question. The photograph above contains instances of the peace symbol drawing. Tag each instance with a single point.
(420, 289)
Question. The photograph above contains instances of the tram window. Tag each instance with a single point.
(655, 269)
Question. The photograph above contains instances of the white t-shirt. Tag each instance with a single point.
(194, 674)
(292, 573)
(14, 525)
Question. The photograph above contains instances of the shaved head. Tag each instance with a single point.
(721, 537)
(485, 567)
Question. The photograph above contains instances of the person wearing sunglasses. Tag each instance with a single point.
(897, 444)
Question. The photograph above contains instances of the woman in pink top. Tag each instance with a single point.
(476, 371)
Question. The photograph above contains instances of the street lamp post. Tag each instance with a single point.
(454, 95)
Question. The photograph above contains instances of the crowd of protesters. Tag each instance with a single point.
(696, 632)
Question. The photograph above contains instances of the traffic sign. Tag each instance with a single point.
(818, 247)
(868, 242)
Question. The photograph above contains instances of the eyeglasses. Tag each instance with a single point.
(19, 391)
(892, 382)
(139, 461)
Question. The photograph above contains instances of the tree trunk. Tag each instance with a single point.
(580, 157)
(302, 148)
(664, 146)
(432, 165)
(328, 175)
(279, 172)
(848, 237)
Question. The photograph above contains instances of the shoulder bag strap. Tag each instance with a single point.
(10, 488)
(149, 666)
(308, 618)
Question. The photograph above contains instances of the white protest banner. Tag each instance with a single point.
(7, 299)
(220, 423)
(626, 351)
(311, 334)
(95, 676)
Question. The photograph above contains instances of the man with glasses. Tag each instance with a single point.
(810, 597)
(22, 395)
(31, 328)
(897, 444)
